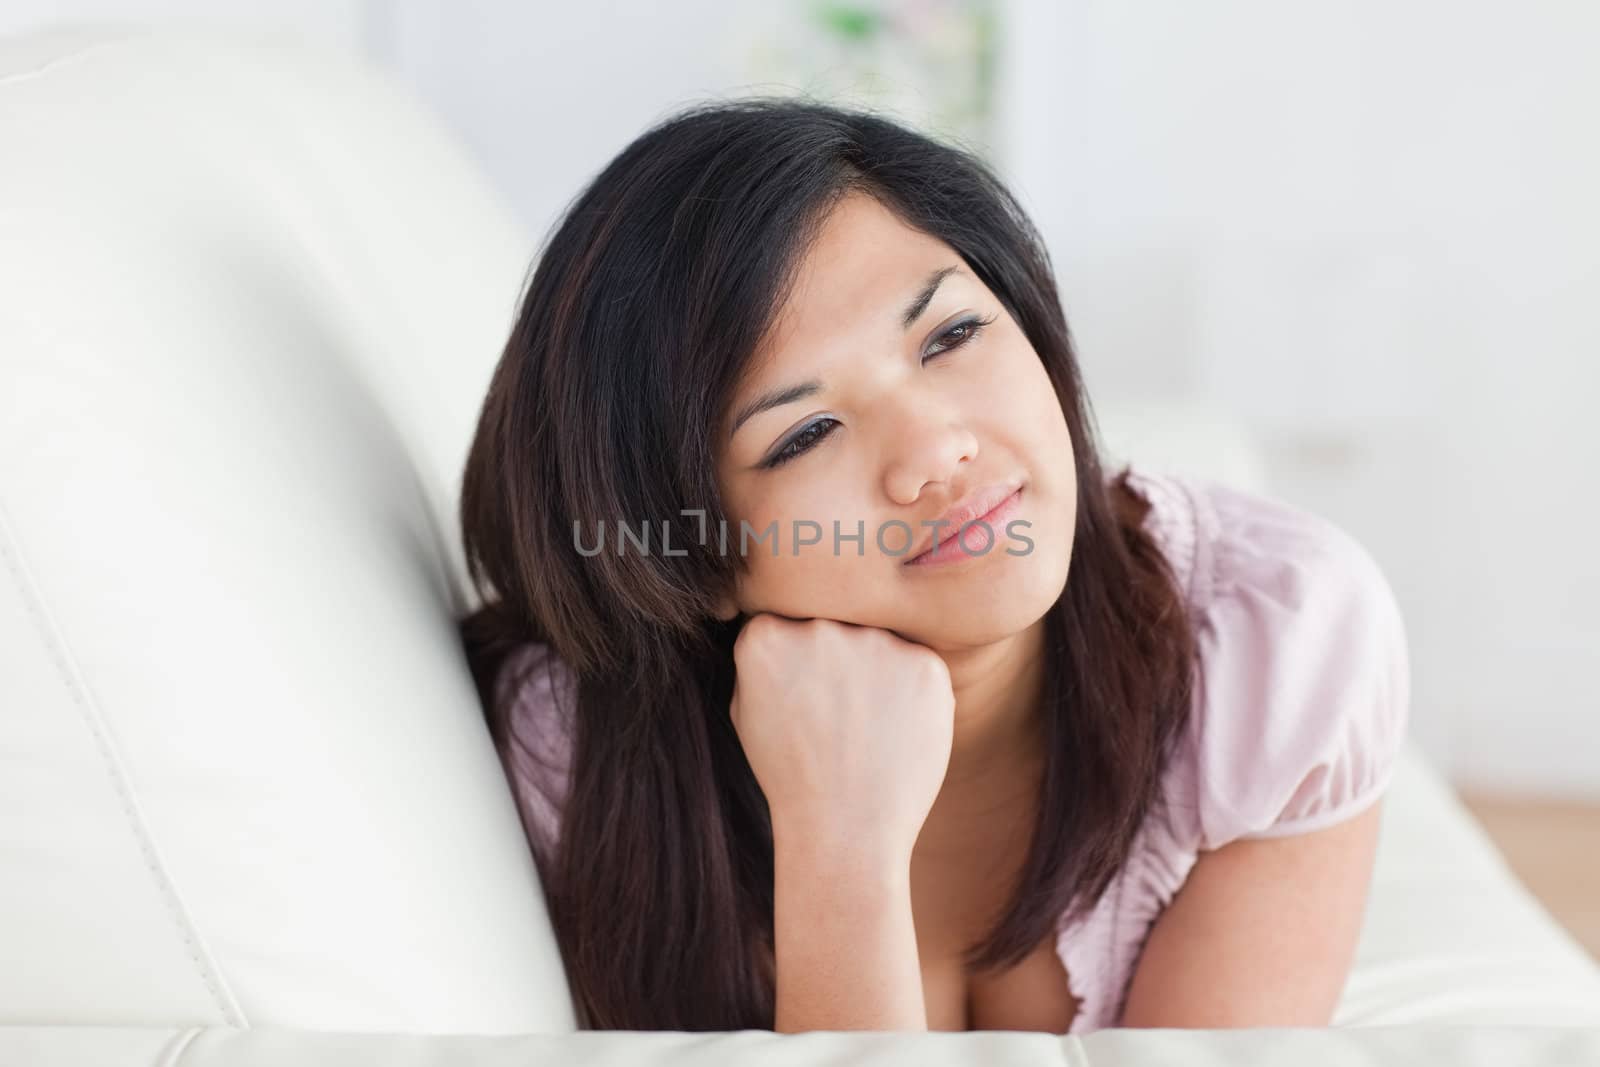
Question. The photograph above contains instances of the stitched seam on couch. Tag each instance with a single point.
(11, 553)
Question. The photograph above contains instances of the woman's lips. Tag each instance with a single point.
(979, 543)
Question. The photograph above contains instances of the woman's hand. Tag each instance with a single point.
(848, 730)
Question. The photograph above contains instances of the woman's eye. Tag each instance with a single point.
(958, 335)
(800, 443)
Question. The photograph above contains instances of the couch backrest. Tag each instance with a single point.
(250, 298)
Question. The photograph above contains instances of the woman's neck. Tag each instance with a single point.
(997, 753)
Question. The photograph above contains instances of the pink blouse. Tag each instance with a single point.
(1299, 713)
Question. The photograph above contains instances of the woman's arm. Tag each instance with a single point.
(1263, 933)
(846, 947)
(848, 732)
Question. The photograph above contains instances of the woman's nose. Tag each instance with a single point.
(926, 448)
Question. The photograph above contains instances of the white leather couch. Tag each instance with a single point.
(249, 300)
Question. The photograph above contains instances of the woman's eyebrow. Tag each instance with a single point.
(920, 302)
(779, 397)
(775, 400)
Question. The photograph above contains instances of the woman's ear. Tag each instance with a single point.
(726, 608)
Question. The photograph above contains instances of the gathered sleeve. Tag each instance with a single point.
(536, 690)
(1304, 685)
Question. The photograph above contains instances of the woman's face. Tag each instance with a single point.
(905, 421)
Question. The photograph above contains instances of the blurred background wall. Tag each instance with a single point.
(1367, 230)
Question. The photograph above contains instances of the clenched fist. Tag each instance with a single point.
(847, 728)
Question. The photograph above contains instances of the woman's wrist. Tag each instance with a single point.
(840, 854)
(846, 946)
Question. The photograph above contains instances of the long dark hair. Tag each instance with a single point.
(648, 297)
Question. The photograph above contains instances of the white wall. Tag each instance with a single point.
(1368, 228)
(1371, 229)
(546, 94)
(342, 22)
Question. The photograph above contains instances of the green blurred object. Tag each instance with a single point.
(931, 63)
(849, 21)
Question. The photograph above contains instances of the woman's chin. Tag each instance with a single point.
(982, 614)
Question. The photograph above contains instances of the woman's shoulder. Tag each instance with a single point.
(534, 694)
(1302, 694)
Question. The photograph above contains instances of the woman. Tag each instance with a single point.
(792, 755)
